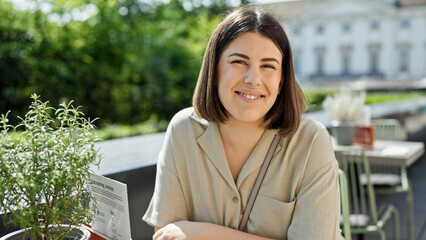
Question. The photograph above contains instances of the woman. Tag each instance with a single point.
(246, 94)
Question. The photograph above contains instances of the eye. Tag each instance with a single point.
(238, 62)
(269, 66)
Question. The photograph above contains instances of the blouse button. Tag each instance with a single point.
(235, 199)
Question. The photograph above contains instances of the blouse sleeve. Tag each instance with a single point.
(167, 204)
(317, 211)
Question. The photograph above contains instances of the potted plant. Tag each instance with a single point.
(45, 166)
(344, 109)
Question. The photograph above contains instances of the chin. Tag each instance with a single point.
(249, 119)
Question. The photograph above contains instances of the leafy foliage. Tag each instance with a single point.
(45, 170)
(120, 130)
(126, 61)
(380, 97)
(315, 98)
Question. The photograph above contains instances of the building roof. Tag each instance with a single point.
(294, 8)
(403, 3)
(328, 8)
(290, 8)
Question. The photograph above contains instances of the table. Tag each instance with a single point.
(401, 153)
(397, 153)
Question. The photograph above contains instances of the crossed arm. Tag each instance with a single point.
(186, 230)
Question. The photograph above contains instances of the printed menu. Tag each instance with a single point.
(112, 221)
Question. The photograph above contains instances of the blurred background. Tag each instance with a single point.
(134, 63)
(126, 61)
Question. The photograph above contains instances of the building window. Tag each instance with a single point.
(374, 25)
(319, 58)
(345, 63)
(405, 23)
(346, 27)
(346, 52)
(374, 58)
(320, 63)
(320, 29)
(404, 63)
(374, 62)
(404, 57)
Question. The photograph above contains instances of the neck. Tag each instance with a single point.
(240, 134)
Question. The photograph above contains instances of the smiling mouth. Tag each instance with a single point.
(249, 96)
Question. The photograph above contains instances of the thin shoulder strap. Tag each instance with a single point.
(258, 182)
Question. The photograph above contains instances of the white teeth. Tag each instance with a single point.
(252, 97)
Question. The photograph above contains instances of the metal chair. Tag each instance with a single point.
(344, 205)
(393, 179)
(388, 129)
(364, 216)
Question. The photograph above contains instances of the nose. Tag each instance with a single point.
(253, 77)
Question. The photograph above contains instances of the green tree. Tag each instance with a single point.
(15, 44)
(128, 62)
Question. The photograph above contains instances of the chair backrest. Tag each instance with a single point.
(361, 200)
(388, 129)
(344, 204)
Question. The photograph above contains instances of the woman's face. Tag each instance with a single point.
(249, 76)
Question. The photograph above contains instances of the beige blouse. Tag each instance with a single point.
(298, 199)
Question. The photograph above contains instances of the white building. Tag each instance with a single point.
(344, 40)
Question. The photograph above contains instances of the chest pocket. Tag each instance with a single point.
(270, 217)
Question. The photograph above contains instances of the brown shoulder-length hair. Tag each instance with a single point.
(286, 113)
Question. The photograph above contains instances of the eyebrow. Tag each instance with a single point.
(247, 57)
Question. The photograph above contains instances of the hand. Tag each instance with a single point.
(182, 230)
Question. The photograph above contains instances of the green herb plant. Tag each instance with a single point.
(45, 166)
